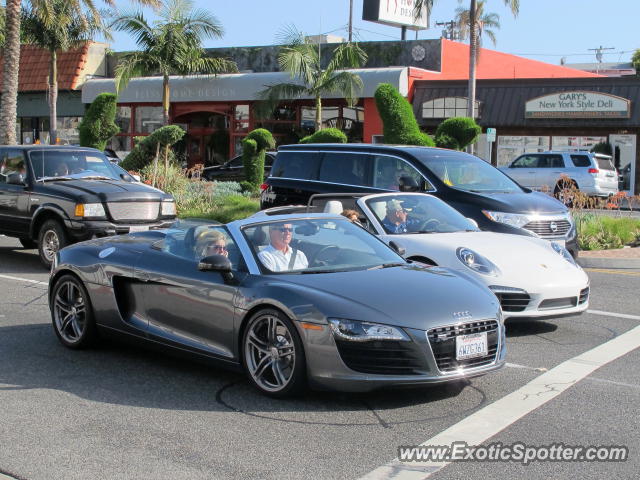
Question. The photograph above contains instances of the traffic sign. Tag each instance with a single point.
(491, 134)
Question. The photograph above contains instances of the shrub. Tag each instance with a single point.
(254, 147)
(603, 147)
(600, 232)
(98, 125)
(399, 123)
(145, 150)
(326, 135)
(457, 132)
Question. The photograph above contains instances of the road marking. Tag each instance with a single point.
(612, 272)
(611, 314)
(27, 280)
(525, 367)
(495, 417)
(611, 382)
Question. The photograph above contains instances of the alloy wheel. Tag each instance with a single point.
(69, 312)
(270, 353)
(50, 244)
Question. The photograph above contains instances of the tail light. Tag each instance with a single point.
(594, 170)
(263, 187)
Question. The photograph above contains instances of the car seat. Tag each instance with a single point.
(333, 206)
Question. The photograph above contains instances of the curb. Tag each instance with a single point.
(602, 262)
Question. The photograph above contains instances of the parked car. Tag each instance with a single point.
(355, 316)
(465, 182)
(531, 277)
(591, 173)
(51, 196)
(112, 156)
(233, 170)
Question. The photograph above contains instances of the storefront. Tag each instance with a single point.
(217, 111)
(535, 115)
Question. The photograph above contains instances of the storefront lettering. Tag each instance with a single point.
(578, 104)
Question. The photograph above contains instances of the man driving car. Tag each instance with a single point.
(397, 221)
(279, 256)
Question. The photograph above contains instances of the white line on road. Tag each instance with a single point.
(27, 280)
(495, 417)
(610, 314)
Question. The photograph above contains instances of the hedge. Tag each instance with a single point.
(457, 132)
(98, 125)
(254, 147)
(399, 124)
(326, 135)
(145, 150)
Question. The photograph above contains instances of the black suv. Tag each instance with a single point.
(467, 183)
(51, 196)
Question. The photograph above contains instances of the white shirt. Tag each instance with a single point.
(276, 261)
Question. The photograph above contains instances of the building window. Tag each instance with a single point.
(448, 107)
(510, 147)
(348, 119)
(123, 119)
(575, 143)
(148, 119)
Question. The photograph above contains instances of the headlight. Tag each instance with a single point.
(564, 252)
(517, 220)
(168, 207)
(90, 210)
(477, 262)
(356, 331)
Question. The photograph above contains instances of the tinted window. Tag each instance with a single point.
(347, 168)
(550, 161)
(68, 163)
(388, 170)
(303, 165)
(581, 160)
(605, 164)
(235, 162)
(11, 161)
(526, 161)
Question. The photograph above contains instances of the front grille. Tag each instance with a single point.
(383, 357)
(566, 302)
(134, 211)
(513, 302)
(584, 295)
(544, 228)
(443, 344)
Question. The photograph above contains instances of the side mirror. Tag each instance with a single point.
(398, 249)
(217, 263)
(15, 179)
(408, 184)
(475, 224)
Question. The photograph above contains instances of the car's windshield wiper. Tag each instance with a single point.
(387, 265)
(94, 177)
(425, 231)
(53, 179)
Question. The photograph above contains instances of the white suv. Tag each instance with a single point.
(591, 173)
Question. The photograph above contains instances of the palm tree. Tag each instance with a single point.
(473, 43)
(302, 59)
(11, 57)
(69, 30)
(485, 22)
(170, 46)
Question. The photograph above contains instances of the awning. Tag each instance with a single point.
(230, 87)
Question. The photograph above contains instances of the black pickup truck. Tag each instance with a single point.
(51, 196)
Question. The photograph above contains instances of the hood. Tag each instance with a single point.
(407, 296)
(523, 261)
(519, 202)
(104, 190)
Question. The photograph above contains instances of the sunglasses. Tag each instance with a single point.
(284, 229)
(217, 247)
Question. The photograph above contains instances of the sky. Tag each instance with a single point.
(545, 30)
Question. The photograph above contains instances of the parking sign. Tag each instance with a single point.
(491, 134)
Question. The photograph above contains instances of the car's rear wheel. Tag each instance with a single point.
(273, 355)
(72, 314)
(27, 243)
(51, 239)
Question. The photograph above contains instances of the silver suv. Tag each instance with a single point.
(591, 173)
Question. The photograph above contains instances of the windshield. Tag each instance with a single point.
(70, 164)
(399, 214)
(466, 172)
(317, 246)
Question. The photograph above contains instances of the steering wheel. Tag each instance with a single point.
(430, 224)
(318, 259)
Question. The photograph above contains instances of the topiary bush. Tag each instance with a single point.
(145, 150)
(457, 132)
(254, 147)
(98, 125)
(326, 135)
(603, 147)
(399, 123)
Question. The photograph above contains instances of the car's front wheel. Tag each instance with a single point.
(273, 354)
(72, 314)
(51, 238)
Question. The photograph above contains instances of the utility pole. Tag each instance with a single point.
(599, 51)
(450, 29)
(350, 20)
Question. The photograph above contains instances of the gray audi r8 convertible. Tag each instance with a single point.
(291, 299)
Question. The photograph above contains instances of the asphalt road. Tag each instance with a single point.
(118, 412)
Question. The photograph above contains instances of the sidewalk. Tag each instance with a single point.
(618, 258)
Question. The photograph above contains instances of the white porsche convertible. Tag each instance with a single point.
(531, 277)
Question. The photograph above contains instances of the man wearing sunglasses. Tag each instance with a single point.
(279, 256)
(396, 220)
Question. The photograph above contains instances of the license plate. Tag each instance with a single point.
(138, 228)
(471, 346)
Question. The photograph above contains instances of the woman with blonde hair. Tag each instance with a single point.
(211, 242)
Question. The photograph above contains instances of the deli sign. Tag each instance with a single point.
(397, 13)
(578, 104)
